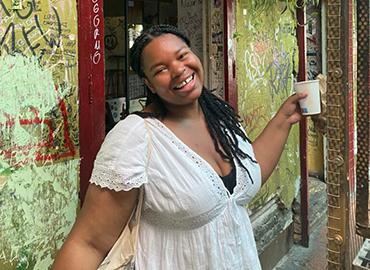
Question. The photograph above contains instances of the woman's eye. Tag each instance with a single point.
(182, 56)
(159, 70)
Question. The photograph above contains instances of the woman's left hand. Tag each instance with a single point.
(290, 111)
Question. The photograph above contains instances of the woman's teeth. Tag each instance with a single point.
(185, 82)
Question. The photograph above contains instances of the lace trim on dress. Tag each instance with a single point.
(170, 222)
(245, 189)
(107, 178)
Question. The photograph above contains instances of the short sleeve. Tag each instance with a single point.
(122, 159)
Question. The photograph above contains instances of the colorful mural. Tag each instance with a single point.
(266, 60)
(39, 152)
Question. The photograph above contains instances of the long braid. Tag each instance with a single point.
(222, 121)
(224, 127)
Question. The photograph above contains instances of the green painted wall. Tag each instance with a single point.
(39, 157)
(266, 53)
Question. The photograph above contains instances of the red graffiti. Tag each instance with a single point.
(41, 146)
(254, 119)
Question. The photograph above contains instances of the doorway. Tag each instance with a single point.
(106, 82)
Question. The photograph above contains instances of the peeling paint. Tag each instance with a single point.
(37, 209)
(29, 98)
(39, 155)
(24, 84)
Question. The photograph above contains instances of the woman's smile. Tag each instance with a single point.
(186, 84)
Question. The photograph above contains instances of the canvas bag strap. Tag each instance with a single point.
(122, 254)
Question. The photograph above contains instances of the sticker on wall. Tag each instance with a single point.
(17, 4)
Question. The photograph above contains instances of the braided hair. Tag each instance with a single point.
(222, 121)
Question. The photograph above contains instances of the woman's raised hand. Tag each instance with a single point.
(290, 110)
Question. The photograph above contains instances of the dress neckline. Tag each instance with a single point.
(229, 180)
(198, 159)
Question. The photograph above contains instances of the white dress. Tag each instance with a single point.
(190, 221)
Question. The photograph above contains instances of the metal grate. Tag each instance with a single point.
(362, 260)
(362, 165)
(336, 124)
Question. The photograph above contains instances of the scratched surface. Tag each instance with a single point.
(39, 157)
(266, 57)
(190, 21)
(216, 48)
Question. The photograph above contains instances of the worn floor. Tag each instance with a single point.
(313, 257)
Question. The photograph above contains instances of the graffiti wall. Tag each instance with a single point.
(39, 152)
(266, 60)
(216, 48)
(190, 21)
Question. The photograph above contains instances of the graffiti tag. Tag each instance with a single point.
(23, 30)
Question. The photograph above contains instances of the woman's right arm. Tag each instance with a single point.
(101, 220)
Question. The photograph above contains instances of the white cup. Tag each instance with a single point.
(311, 104)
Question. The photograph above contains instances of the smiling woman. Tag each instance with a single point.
(174, 73)
(187, 152)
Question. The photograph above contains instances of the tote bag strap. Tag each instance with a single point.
(122, 254)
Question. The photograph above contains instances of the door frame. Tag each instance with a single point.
(91, 86)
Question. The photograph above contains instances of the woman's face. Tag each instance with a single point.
(172, 70)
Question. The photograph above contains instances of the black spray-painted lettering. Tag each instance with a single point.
(26, 38)
(27, 22)
(9, 29)
(51, 41)
(27, 14)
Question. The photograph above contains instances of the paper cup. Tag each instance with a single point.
(311, 104)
